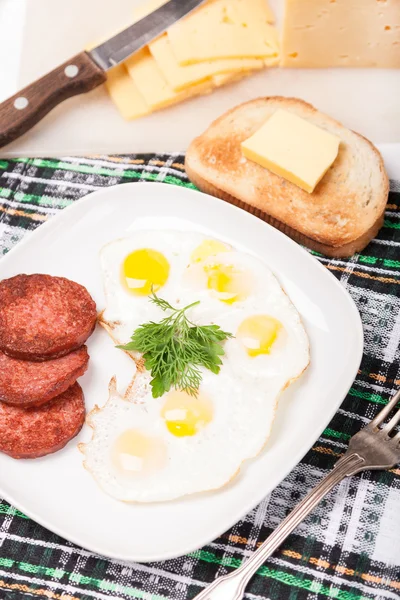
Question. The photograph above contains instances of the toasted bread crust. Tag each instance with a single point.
(339, 218)
(334, 252)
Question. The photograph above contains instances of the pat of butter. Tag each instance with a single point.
(293, 148)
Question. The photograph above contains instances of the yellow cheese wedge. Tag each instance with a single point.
(224, 29)
(293, 148)
(181, 77)
(125, 94)
(153, 86)
(341, 33)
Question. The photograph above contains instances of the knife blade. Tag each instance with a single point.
(133, 38)
(85, 71)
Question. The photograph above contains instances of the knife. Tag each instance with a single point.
(85, 71)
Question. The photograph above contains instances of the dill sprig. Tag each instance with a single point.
(175, 348)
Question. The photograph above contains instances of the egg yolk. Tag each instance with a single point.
(185, 415)
(145, 270)
(134, 453)
(208, 248)
(258, 334)
(228, 283)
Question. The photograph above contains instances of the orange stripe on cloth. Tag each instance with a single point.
(382, 378)
(319, 562)
(344, 570)
(37, 592)
(21, 213)
(118, 159)
(363, 275)
(323, 450)
(380, 580)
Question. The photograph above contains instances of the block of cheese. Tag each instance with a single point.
(341, 33)
(153, 86)
(224, 29)
(125, 94)
(293, 148)
(180, 77)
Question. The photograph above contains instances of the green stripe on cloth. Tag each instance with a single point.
(108, 172)
(43, 200)
(336, 434)
(100, 584)
(5, 509)
(391, 224)
(282, 577)
(375, 398)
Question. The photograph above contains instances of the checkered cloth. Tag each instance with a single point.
(348, 548)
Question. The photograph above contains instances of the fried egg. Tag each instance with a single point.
(145, 449)
(149, 260)
(161, 449)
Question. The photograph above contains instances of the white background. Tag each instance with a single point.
(365, 100)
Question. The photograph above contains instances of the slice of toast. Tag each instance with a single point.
(339, 218)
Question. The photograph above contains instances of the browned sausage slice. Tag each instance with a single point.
(44, 317)
(34, 432)
(24, 383)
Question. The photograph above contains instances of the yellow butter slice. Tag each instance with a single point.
(293, 148)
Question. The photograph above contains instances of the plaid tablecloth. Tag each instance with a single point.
(348, 549)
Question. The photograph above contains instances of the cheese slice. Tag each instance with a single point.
(153, 86)
(293, 148)
(125, 94)
(341, 33)
(180, 77)
(224, 78)
(224, 29)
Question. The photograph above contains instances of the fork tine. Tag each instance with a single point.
(380, 417)
(392, 423)
(397, 437)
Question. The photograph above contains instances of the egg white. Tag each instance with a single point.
(244, 394)
(206, 461)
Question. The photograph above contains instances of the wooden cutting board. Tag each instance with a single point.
(365, 100)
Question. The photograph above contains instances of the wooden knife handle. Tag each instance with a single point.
(18, 114)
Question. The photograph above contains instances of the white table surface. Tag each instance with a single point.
(377, 116)
(12, 14)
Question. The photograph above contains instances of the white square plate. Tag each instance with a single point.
(57, 492)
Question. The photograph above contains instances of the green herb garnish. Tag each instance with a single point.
(175, 348)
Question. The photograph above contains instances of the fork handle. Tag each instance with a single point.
(237, 581)
(342, 469)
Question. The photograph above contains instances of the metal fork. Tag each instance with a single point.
(370, 448)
